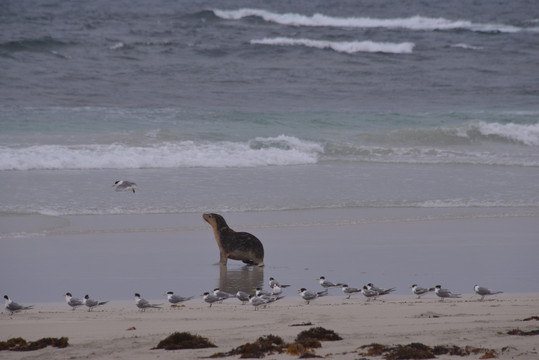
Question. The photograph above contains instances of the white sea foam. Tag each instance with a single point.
(280, 150)
(525, 134)
(117, 46)
(467, 46)
(348, 47)
(320, 20)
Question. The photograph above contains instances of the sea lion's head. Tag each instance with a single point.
(215, 220)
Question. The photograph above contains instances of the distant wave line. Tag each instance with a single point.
(349, 47)
(411, 23)
(264, 151)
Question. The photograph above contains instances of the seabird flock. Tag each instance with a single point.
(262, 298)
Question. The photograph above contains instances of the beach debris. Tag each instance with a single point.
(304, 343)
(531, 318)
(268, 344)
(20, 344)
(522, 332)
(374, 349)
(308, 323)
(317, 333)
(184, 340)
(410, 351)
(428, 315)
(421, 351)
(131, 328)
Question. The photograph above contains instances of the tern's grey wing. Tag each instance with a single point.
(370, 293)
(482, 291)
(420, 291)
(309, 295)
(212, 298)
(91, 303)
(443, 293)
(75, 301)
(322, 293)
(178, 299)
(143, 303)
(242, 296)
(13, 306)
(386, 291)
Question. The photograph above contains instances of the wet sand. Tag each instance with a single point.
(112, 257)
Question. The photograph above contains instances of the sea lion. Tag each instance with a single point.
(235, 245)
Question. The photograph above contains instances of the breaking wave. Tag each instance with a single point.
(349, 47)
(411, 23)
(280, 150)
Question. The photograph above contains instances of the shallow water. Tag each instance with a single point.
(365, 141)
(115, 256)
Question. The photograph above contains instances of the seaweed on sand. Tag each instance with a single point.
(258, 349)
(269, 344)
(421, 351)
(184, 340)
(410, 351)
(522, 332)
(318, 333)
(20, 344)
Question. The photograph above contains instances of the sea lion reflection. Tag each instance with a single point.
(244, 278)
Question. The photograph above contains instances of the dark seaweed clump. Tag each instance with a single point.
(421, 351)
(20, 344)
(184, 340)
(410, 351)
(522, 332)
(318, 333)
(265, 344)
(305, 341)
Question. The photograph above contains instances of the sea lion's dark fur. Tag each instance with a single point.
(235, 245)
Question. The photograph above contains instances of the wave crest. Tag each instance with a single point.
(349, 47)
(411, 23)
(280, 150)
(524, 134)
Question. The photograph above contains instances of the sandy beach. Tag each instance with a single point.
(119, 330)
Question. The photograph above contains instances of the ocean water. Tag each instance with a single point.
(250, 106)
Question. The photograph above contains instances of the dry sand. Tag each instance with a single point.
(399, 319)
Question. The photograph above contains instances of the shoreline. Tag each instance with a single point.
(112, 257)
(104, 333)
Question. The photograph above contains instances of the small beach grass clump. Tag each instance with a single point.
(184, 340)
(20, 344)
